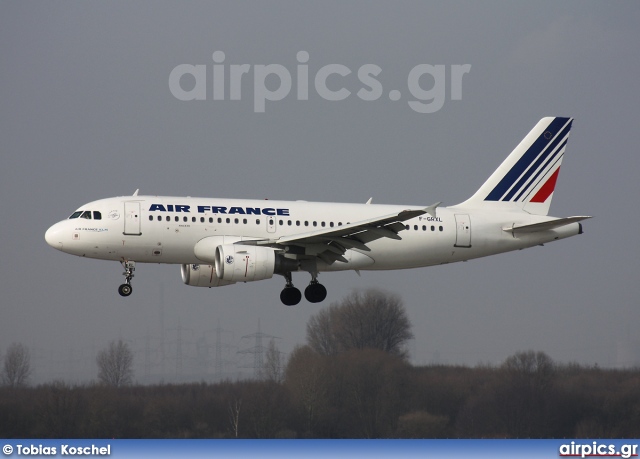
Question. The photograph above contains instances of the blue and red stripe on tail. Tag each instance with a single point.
(527, 178)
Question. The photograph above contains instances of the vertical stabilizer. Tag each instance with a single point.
(527, 178)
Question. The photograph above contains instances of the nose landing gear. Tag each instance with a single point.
(129, 267)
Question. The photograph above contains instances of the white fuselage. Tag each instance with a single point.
(152, 229)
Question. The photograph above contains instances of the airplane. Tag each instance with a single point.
(218, 242)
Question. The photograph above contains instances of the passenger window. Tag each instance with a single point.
(210, 219)
(193, 219)
(322, 224)
(159, 218)
(201, 219)
(97, 215)
(168, 218)
(177, 218)
(219, 220)
(315, 223)
(331, 224)
(415, 227)
(244, 221)
(184, 219)
(86, 214)
(441, 228)
(433, 228)
(150, 218)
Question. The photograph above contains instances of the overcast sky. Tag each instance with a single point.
(87, 113)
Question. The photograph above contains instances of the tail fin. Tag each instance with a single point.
(527, 178)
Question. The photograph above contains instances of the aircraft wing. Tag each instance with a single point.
(330, 244)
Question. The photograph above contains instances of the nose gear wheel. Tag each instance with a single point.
(129, 267)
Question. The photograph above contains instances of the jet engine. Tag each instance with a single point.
(202, 276)
(244, 263)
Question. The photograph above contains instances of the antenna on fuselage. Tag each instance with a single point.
(135, 193)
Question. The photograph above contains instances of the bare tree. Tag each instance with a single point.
(273, 365)
(115, 364)
(526, 397)
(17, 365)
(307, 380)
(371, 386)
(533, 369)
(370, 319)
(234, 415)
(321, 334)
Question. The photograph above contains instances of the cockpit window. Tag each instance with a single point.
(86, 214)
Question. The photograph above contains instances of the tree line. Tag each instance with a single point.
(356, 394)
(351, 380)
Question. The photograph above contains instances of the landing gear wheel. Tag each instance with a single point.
(315, 292)
(125, 290)
(290, 296)
(129, 267)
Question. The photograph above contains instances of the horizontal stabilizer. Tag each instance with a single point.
(544, 226)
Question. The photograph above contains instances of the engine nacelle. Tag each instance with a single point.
(202, 276)
(244, 263)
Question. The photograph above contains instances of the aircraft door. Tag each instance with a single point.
(463, 230)
(132, 218)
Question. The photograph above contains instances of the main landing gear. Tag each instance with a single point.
(129, 267)
(314, 293)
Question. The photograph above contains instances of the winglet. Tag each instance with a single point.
(431, 210)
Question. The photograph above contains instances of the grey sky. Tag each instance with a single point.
(86, 113)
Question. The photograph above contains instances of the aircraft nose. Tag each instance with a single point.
(53, 236)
